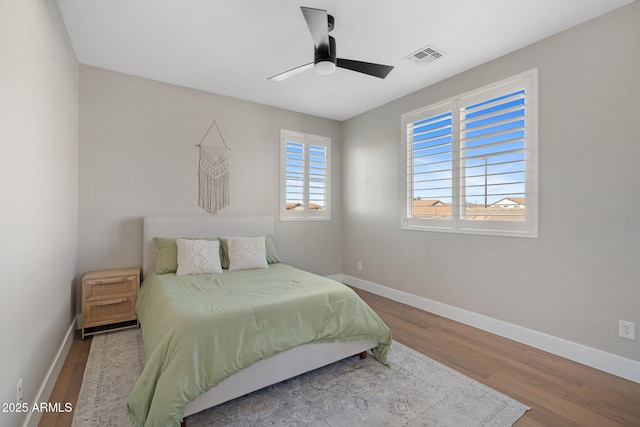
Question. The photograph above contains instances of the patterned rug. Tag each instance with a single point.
(414, 391)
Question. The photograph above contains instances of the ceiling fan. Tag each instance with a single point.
(325, 60)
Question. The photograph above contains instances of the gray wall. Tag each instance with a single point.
(138, 157)
(581, 275)
(38, 194)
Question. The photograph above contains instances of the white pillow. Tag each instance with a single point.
(246, 252)
(198, 257)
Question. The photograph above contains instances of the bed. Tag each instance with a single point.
(263, 334)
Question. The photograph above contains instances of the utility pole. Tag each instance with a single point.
(485, 182)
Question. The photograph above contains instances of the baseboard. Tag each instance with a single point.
(33, 417)
(603, 361)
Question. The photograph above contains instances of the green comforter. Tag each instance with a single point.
(198, 330)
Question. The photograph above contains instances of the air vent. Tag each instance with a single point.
(425, 55)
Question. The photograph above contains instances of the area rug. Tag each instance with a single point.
(413, 391)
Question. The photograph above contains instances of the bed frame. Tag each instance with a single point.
(275, 369)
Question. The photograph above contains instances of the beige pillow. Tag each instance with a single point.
(198, 257)
(247, 252)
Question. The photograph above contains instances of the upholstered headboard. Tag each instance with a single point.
(198, 226)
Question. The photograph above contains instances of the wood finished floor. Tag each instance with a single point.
(559, 392)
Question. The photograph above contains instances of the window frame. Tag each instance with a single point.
(455, 105)
(306, 140)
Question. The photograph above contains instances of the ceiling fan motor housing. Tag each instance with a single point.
(325, 59)
(326, 53)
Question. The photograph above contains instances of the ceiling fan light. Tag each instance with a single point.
(325, 67)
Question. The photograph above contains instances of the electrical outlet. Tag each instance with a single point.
(19, 391)
(359, 265)
(627, 330)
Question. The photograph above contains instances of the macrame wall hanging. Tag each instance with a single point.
(213, 174)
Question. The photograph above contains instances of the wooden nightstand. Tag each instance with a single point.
(109, 300)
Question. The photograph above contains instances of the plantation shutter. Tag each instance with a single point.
(317, 177)
(305, 182)
(492, 141)
(430, 164)
(295, 167)
(494, 157)
(471, 161)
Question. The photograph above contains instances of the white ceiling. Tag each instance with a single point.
(231, 47)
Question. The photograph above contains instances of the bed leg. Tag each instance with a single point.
(183, 423)
(363, 355)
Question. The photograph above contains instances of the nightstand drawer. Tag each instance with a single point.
(107, 288)
(109, 311)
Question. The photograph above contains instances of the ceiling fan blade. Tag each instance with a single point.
(318, 22)
(376, 70)
(291, 72)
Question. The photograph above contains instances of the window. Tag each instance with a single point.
(305, 176)
(471, 161)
